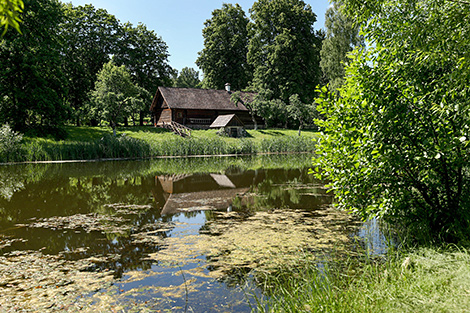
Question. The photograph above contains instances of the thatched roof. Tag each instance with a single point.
(224, 120)
(199, 99)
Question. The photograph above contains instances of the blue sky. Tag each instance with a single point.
(180, 22)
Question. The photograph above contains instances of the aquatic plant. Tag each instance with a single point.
(150, 144)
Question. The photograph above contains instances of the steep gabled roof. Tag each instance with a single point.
(224, 120)
(199, 99)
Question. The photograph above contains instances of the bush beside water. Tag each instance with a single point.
(9, 143)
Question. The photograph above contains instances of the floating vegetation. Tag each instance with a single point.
(87, 222)
(6, 241)
(33, 282)
(264, 241)
(128, 209)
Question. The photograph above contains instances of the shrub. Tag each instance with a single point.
(9, 143)
(396, 142)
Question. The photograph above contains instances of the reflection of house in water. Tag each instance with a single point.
(201, 192)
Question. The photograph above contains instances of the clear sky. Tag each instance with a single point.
(180, 22)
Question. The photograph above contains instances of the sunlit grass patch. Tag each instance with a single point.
(424, 280)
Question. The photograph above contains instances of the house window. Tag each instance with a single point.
(201, 121)
(179, 115)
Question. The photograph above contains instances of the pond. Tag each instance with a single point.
(171, 235)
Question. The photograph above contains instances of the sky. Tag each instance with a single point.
(180, 22)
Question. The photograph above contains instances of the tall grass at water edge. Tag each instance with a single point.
(123, 146)
(422, 280)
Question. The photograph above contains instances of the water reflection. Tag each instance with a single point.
(137, 219)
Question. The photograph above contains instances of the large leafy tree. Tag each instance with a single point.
(187, 78)
(115, 95)
(89, 36)
(284, 49)
(32, 85)
(223, 59)
(342, 36)
(145, 55)
(395, 143)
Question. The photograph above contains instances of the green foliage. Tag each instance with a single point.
(10, 14)
(284, 50)
(342, 37)
(145, 55)
(273, 111)
(187, 78)
(89, 36)
(223, 59)
(9, 143)
(395, 143)
(115, 93)
(299, 111)
(32, 85)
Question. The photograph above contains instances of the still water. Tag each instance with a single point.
(182, 235)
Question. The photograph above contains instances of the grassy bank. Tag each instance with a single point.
(86, 143)
(423, 280)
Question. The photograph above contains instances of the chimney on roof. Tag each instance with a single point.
(227, 87)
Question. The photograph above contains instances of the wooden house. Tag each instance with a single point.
(198, 108)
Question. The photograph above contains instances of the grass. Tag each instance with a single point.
(420, 280)
(85, 143)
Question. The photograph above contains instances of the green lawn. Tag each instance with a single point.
(85, 133)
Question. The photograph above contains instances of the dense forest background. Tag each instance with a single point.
(80, 65)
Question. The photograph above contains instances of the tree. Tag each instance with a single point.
(395, 143)
(10, 14)
(341, 38)
(114, 93)
(32, 85)
(299, 111)
(223, 59)
(273, 111)
(284, 49)
(250, 103)
(145, 55)
(188, 78)
(90, 36)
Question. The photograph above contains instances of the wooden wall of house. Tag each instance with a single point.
(200, 118)
(163, 116)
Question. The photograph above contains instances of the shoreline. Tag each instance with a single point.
(154, 157)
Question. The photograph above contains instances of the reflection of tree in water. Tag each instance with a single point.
(293, 189)
(60, 191)
(63, 196)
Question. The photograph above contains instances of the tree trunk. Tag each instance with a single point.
(255, 125)
(141, 118)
